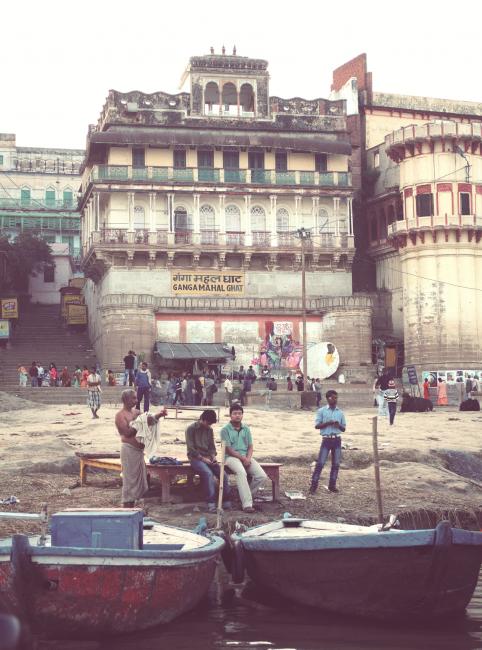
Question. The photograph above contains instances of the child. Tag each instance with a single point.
(111, 378)
(390, 396)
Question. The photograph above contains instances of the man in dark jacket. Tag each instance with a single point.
(143, 384)
(129, 362)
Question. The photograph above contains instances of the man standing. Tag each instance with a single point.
(228, 389)
(33, 372)
(134, 473)
(239, 457)
(129, 361)
(201, 451)
(93, 392)
(143, 383)
(318, 388)
(331, 422)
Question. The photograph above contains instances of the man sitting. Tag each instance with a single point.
(201, 451)
(239, 457)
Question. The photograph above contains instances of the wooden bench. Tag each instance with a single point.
(165, 473)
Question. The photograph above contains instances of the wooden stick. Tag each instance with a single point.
(376, 466)
(221, 486)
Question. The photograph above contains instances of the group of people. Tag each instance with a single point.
(38, 375)
(188, 389)
(201, 451)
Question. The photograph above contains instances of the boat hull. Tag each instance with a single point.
(375, 583)
(413, 574)
(65, 595)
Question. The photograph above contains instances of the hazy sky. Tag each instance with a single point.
(60, 58)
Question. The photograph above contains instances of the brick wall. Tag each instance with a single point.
(356, 67)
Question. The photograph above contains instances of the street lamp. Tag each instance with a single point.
(304, 236)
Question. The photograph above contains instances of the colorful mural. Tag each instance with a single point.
(279, 351)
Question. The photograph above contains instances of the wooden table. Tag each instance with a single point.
(165, 473)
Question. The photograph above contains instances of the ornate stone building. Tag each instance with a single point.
(419, 217)
(38, 192)
(191, 204)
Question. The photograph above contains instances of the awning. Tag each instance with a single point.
(188, 351)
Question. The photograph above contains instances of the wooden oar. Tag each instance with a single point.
(376, 466)
(221, 486)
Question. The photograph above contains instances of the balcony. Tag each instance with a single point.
(467, 221)
(234, 238)
(266, 177)
(261, 238)
(35, 204)
(209, 237)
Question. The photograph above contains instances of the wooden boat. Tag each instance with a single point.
(68, 589)
(360, 570)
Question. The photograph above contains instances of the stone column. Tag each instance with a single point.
(196, 220)
(350, 215)
(272, 216)
(130, 210)
(336, 214)
(298, 206)
(247, 220)
(152, 211)
(97, 211)
(222, 220)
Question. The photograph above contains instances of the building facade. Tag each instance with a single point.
(420, 219)
(39, 192)
(192, 205)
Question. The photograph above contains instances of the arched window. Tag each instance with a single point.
(211, 98)
(323, 223)
(258, 219)
(230, 99)
(139, 217)
(282, 220)
(50, 197)
(182, 226)
(233, 218)
(246, 98)
(68, 197)
(181, 220)
(207, 222)
(25, 196)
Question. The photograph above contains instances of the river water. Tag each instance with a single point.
(242, 619)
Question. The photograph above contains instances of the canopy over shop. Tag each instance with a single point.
(191, 357)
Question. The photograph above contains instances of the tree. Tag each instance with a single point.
(26, 255)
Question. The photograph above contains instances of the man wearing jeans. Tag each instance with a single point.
(239, 457)
(331, 422)
(201, 451)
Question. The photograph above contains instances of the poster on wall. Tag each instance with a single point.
(279, 351)
(9, 308)
(4, 329)
(70, 299)
(323, 360)
(195, 283)
(76, 314)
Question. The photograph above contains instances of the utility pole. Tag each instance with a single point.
(304, 235)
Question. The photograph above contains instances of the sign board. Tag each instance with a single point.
(212, 283)
(70, 299)
(4, 329)
(76, 314)
(9, 308)
(79, 283)
(412, 375)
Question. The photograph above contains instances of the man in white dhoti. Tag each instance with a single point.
(134, 473)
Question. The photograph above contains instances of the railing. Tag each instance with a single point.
(209, 237)
(141, 236)
(218, 175)
(437, 221)
(261, 238)
(287, 239)
(234, 238)
(36, 204)
(113, 236)
(183, 237)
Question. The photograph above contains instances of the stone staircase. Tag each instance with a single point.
(40, 335)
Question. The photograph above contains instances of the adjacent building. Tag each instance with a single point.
(39, 192)
(192, 206)
(418, 215)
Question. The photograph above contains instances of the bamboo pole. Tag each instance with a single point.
(376, 466)
(221, 486)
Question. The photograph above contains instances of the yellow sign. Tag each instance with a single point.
(76, 314)
(71, 299)
(4, 329)
(9, 308)
(209, 283)
(79, 283)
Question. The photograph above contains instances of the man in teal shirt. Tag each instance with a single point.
(239, 457)
(330, 420)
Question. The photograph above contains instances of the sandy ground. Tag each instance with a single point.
(431, 463)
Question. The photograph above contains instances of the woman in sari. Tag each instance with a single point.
(442, 393)
(65, 377)
(83, 377)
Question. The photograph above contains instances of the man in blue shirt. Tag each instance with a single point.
(331, 422)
